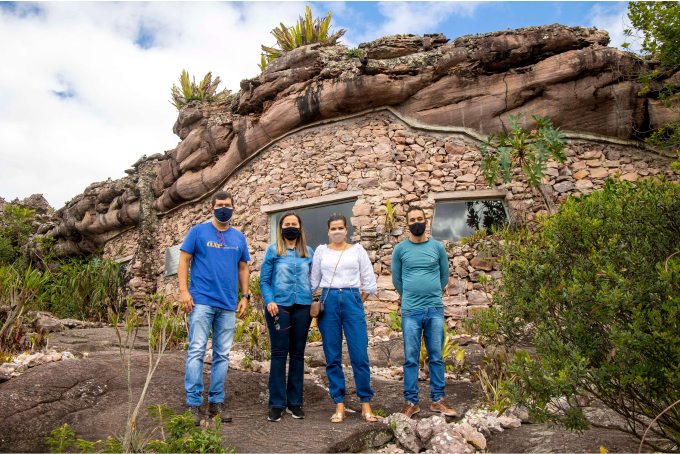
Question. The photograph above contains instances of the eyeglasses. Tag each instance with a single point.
(221, 238)
(277, 325)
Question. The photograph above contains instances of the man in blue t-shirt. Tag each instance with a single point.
(218, 255)
(420, 273)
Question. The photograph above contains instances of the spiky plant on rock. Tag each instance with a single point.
(189, 90)
(306, 31)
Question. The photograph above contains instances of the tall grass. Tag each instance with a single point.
(84, 289)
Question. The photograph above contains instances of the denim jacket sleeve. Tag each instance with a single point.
(266, 276)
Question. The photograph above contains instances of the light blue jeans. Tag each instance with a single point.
(427, 323)
(222, 322)
(344, 312)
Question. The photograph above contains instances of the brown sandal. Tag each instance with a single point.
(338, 417)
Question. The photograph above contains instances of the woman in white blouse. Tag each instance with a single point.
(345, 275)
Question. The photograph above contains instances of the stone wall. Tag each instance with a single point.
(384, 158)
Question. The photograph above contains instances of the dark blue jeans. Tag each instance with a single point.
(427, 323)
(345, 312)
(288, 337)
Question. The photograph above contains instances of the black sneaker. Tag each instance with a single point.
(196, 415)
(296, 412)
(275, 414)
(218, 409)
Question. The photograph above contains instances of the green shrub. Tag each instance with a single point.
(62, 437)
(597, 291)
(84, 289)
(15, 229)
(394, 321)
(354, 53)
(184, 436)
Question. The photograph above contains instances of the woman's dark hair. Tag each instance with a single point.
(336, 217)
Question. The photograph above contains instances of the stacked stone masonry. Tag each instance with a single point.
(384, 158)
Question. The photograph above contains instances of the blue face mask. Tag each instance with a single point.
(223, 214)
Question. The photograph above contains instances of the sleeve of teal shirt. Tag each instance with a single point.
(443, 266)
(266, 272)
(396, 270)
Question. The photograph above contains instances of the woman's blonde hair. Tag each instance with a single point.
(300, 243)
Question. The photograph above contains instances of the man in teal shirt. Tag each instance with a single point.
(420, 272)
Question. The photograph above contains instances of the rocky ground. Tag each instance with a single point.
(89, 393)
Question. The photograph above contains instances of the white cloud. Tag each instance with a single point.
(80, 101)
(415, 17)
(612, 18)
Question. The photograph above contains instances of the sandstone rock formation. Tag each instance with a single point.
(473, 82)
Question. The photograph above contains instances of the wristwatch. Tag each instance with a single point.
(247, 295)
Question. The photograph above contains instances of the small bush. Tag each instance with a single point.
(15, 229)
(84, 289)
(354, 53)
(597, 291)
(175, 328)
(189, 90)
(394, 321)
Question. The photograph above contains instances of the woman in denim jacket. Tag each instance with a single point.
(284, 283)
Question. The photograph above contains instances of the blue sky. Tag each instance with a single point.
(84, 87)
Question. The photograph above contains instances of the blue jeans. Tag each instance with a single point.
(287, 336)
(223, 322)
(427, 323)
(344, 311)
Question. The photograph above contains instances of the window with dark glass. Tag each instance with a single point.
(314, 221)
(455, 220)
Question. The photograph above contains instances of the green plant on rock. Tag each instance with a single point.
(354, 53)
(394, 321)
(189, 90)
(495, 378)
(306, 31)
(184, 436)
(450, 345)
(596, 290)
(522, 148)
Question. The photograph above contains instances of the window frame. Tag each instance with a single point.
(470, 196)
(306, 204)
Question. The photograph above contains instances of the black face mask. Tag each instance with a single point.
(291, 233)
(417, 228)
(223, 214)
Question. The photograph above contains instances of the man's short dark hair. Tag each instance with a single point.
(414, 208)
(221, 195)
